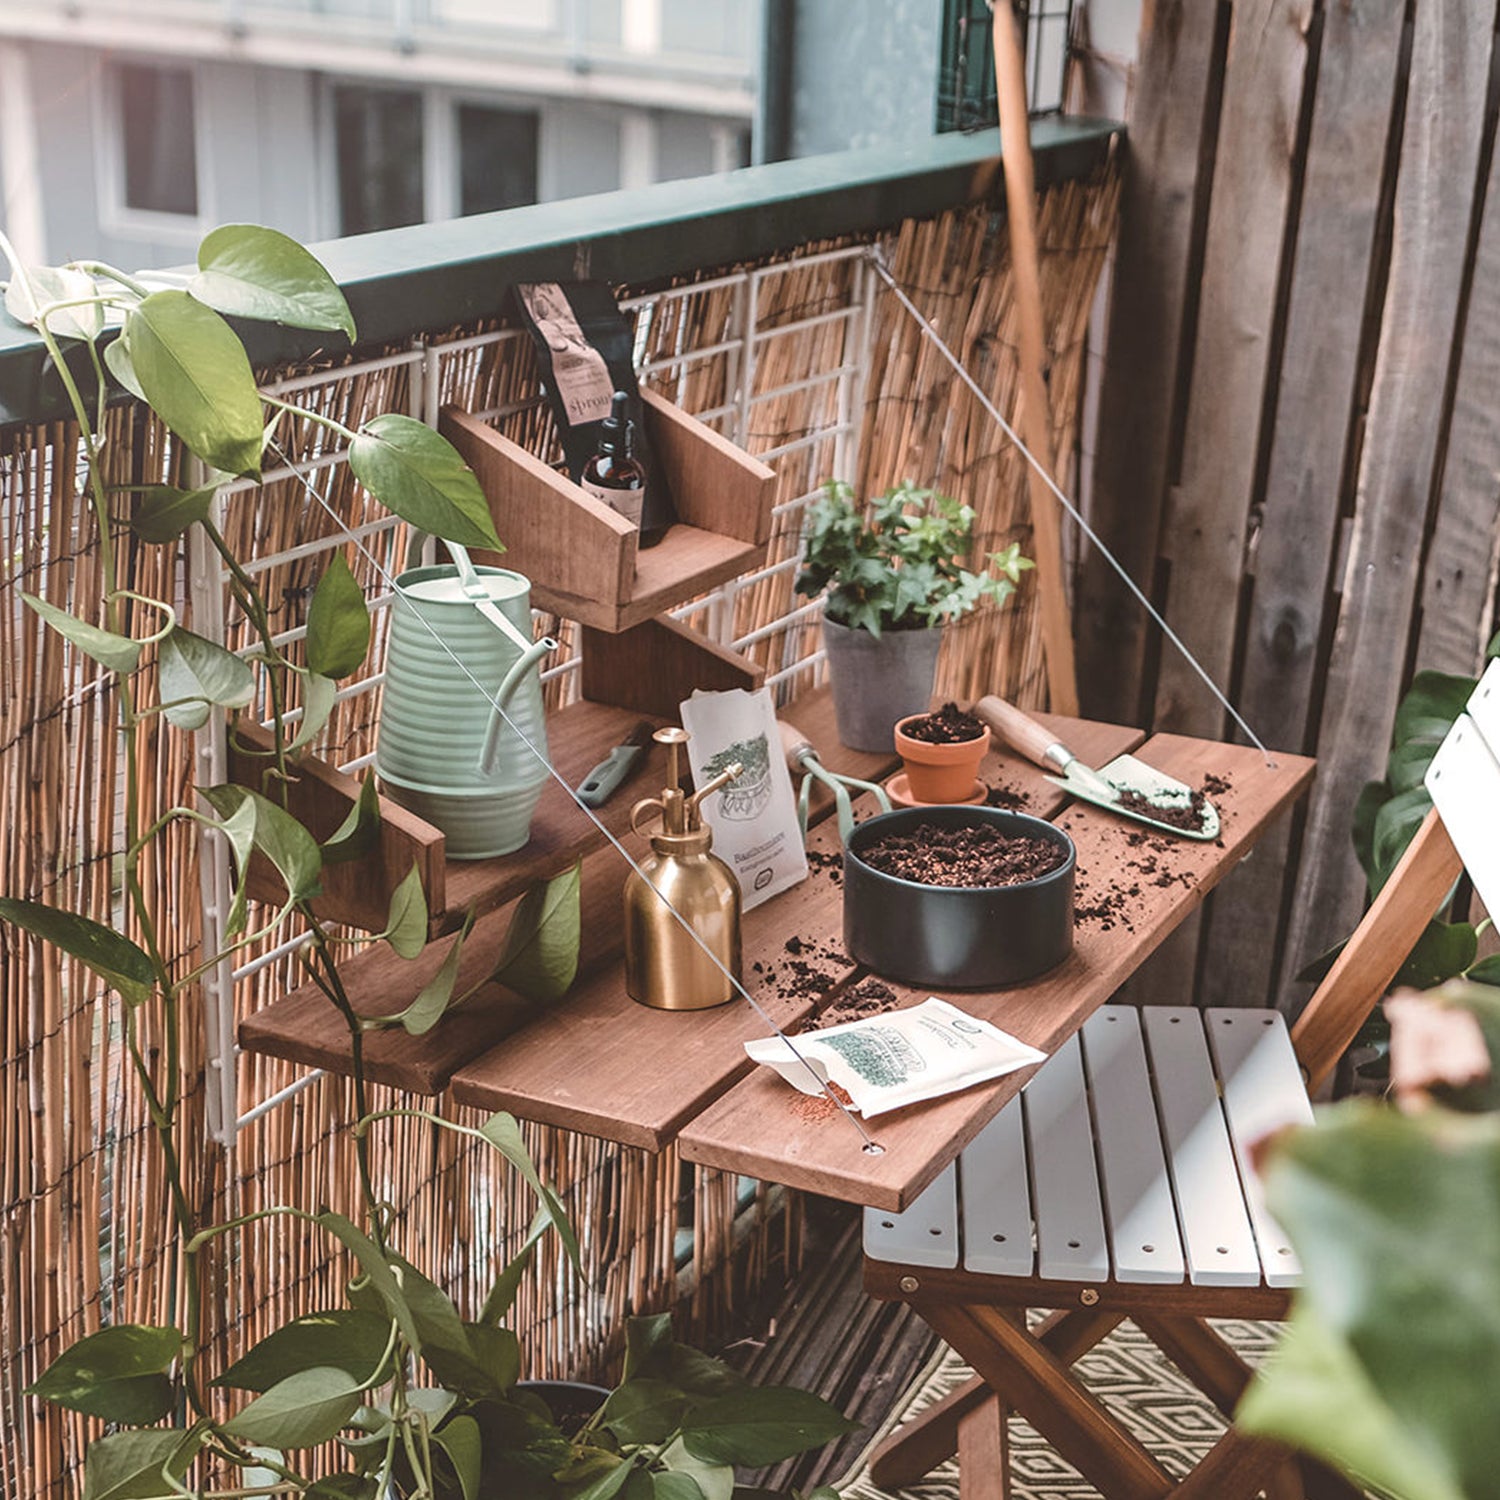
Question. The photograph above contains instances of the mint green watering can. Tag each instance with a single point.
(461, 644)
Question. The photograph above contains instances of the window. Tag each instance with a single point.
(966, 77)
(378, 135)
(157, 132)
(496, 158)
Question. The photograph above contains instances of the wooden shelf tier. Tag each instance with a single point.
(583, 559)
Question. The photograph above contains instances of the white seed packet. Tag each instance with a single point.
(754, 818)
(886, 1062)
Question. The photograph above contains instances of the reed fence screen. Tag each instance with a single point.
(805, 363)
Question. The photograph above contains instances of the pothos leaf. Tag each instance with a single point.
(33, 288)
(539, 958)
(117, 652)
(249, 271)
(319, 694)
(356, 835)
(196, 675)
(109, 954)
(163, 512)
(406, 928)
(291, 849)
(118, 1374)
(131, 1465)
(338, 622)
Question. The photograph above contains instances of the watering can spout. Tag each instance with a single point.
(520, 669)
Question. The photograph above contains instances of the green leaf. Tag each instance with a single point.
(196, 675)
(117, 362)
(1429, 707)
(539, 958)
(131, 1465)
(239, 830)
(644, 1411)
(460, 1440)
(676, 1487)
(503, 1293)
(353, 1341)
(248, 271)
(358, 833)
(194, 372)
(39, 286)
(648, 1344)
(343, 1487)
(319, 694)
(611, 1484)
(716, 1481)
(310, 1407)
(652, 1353)
(1444, 950)
(118, 1374)
(113, 957)
(432, 1001)
(502, 1132)
(1396, 1219)
(377, 1269)
(1313, 1395)
(418, 474)
(1396, 825)
(1486, 971)
(163, 512)
(338, 622)
(1372, 797)
(762, 1425)
(406, 928)
(117, 652)
(291, 849)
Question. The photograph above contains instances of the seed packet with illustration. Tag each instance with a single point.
(754, 818)
(885, 1062)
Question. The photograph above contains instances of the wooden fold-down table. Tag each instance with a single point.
(600, 1064)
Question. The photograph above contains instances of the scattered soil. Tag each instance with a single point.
(972, 856)
(815, 1108)
(806, 971)
(830, 864)
(949, 725)
(1189, 817)
(1004, 796)
(870, 997)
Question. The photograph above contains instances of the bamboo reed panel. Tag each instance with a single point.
(84, 1217)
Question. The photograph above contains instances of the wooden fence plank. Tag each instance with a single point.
(1459, 580)
(1439, 164)
(1152, 275)
(1205, 529)
(1357, 75)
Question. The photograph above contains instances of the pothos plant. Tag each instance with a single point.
(896, 564)
(421, 1398)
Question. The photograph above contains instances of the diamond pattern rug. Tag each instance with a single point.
(1127, 1372)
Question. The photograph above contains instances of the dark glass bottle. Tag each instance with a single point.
(617, 476)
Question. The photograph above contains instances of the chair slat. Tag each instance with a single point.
(995, 1199)
(925, 1235)
(1210, 1206)
(1065, 1181)
(1484, 707)
(1464, 780)
(1263, 1091)
(1138, 1210)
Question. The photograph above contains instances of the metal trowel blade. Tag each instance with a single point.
(1127, 774)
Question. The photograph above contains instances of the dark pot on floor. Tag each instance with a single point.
(957, 937)
(571, 1402)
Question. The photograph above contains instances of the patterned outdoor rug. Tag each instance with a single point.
(1127, 1372)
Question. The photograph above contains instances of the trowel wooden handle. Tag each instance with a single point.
(1021, 732)
(794, 744)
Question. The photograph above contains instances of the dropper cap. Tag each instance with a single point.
(683, 830)
(617, 431)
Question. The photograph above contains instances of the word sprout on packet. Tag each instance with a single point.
(885, 1062)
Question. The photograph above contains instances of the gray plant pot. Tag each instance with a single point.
(879, 680)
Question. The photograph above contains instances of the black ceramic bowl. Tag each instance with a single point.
(957, 937)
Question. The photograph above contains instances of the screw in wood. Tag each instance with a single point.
(1088, 1296)
(909, 1284)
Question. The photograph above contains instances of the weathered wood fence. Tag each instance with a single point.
(1299, 439)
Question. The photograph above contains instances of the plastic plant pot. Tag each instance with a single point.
(940, 772)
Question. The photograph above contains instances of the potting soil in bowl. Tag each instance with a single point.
(958, 897)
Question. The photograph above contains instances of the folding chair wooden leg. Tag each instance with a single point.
(984, 1452)
(921, 1444)
(1040, 1387)
(1236, 1468)
(1201, 1355)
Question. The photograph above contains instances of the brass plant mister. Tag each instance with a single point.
(664, 967)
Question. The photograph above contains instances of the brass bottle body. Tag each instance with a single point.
(664, 967)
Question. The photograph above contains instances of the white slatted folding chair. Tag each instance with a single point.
(1119, 1184)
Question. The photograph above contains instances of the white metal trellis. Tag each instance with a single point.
(428, 366)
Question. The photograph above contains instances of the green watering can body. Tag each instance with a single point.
(460, 643)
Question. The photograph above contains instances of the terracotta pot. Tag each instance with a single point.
(940, 773)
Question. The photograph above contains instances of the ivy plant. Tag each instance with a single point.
(896, 564)
(419, 1397)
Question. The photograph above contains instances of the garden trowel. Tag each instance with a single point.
(1126, 785)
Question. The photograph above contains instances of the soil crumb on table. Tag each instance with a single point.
(1006, 798)
(870, 997)
(966, 856)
